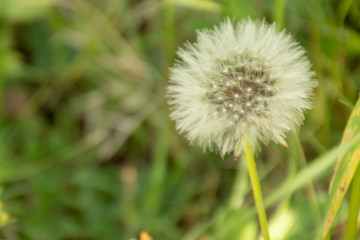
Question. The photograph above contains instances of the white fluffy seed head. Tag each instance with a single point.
(257, 81)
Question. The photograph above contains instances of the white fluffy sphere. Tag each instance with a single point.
(248, 81)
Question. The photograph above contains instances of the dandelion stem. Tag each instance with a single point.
(350, 233)
(255, 183)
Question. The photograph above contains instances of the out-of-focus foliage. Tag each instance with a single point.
(345, 168)
(87, 150)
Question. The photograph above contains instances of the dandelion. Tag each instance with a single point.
(237, 85)
(247, 82)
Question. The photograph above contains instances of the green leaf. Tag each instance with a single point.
(344, 169)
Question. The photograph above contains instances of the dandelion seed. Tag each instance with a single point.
(275, 88)
(226, 70)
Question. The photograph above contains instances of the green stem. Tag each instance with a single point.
(279, 12)
(168, 25)
(255, 183)
(343, 9)
(350, 233)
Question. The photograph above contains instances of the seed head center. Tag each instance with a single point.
(241, 89)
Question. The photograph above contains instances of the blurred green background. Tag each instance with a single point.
(87, 150)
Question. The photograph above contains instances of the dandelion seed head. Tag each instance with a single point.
(257, 82)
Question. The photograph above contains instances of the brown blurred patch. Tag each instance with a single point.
(14, 100)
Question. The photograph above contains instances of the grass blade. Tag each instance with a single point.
(344, 171)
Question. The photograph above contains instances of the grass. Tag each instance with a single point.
(88, 150)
